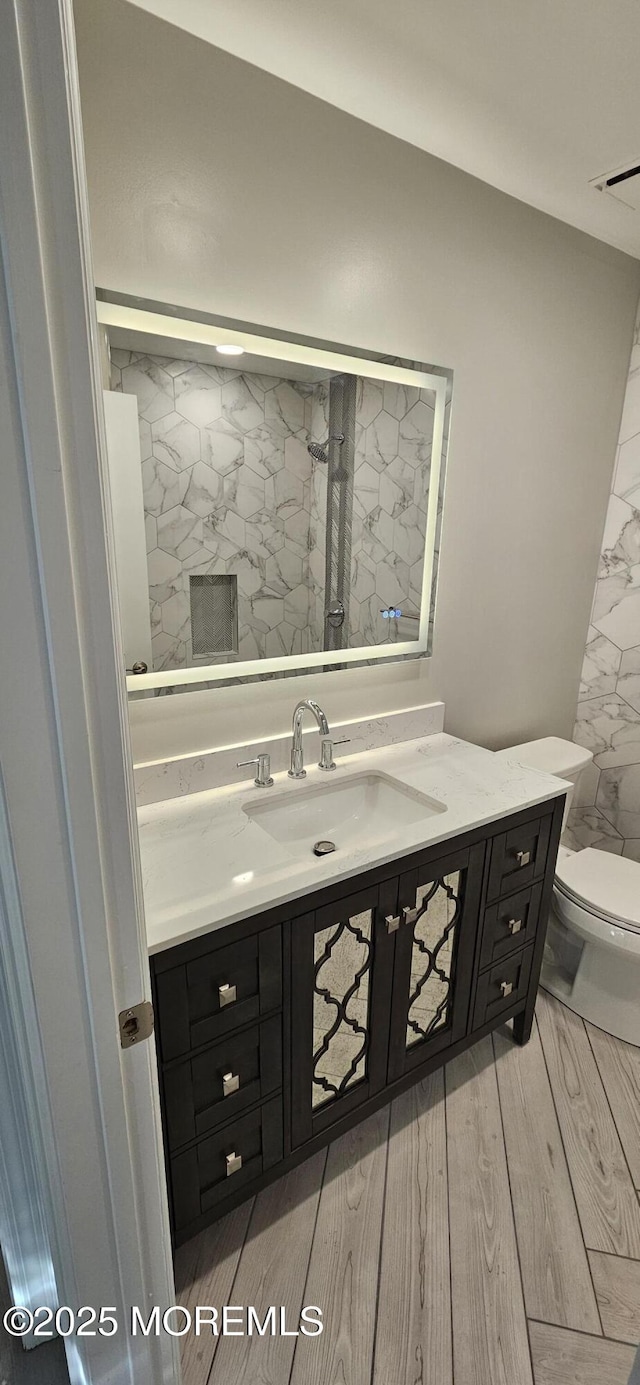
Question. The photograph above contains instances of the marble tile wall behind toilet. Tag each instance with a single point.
(607, 814)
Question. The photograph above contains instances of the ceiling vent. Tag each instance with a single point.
(623, 184)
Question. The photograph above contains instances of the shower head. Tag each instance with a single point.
(318, 451)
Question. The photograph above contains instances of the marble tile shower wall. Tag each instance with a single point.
(227, 489)
(394, 432)
(393, 439)
(607, 814)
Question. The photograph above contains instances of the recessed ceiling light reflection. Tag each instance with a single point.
(243, 879)
(229, 350)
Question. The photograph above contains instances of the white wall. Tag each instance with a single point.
(217, 186)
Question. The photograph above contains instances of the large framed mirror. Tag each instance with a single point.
(276, 501)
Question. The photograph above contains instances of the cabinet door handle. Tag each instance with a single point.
(523, 858)
(393, 923)
(506, 987)
(409, 915)
(515, 925)
(226, 994)
(233, 1162)
(230, 1083)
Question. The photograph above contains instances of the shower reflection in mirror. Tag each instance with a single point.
(273, 509)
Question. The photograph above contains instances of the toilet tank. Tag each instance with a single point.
(553, 755)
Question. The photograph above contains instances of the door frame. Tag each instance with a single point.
(66, 762)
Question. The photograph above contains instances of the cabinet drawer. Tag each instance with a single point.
(501, 986)
(218, 992)
(212, 1170)
(519, 857)
(216, 1085)
(510, 924)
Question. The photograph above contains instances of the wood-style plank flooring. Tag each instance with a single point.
(482, 1230)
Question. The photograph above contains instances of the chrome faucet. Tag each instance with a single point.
(298, 770)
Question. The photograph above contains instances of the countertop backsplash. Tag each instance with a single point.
(212, 770)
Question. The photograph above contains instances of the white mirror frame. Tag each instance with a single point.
(209, 334)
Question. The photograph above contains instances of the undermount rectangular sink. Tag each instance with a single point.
(349, 813)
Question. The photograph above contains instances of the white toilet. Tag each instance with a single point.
(592, 952)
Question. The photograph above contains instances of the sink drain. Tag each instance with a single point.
(324, 848)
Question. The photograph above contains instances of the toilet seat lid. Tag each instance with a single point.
(605, 884)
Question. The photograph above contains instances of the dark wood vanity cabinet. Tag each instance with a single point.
(277, 1033)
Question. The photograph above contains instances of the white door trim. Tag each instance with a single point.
(29, 1188)
(66, 762)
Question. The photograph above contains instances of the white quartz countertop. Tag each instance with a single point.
(206, 864)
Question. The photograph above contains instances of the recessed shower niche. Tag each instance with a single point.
(213, 614)
(286, 498)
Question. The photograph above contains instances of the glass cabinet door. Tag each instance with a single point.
(438, 911)
(341, 956)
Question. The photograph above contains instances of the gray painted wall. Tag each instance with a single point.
(217, 186)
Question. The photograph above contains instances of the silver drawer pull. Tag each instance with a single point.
(233, 1162)
(393, 923)
(515, 925)
(410, 915)
(506, 987)
(226, 994)
(523, 858)
(230, 1083)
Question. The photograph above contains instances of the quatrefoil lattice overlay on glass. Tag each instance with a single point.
(439, 903)
(342, 964)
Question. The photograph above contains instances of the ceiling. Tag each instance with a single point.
(536, 97)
